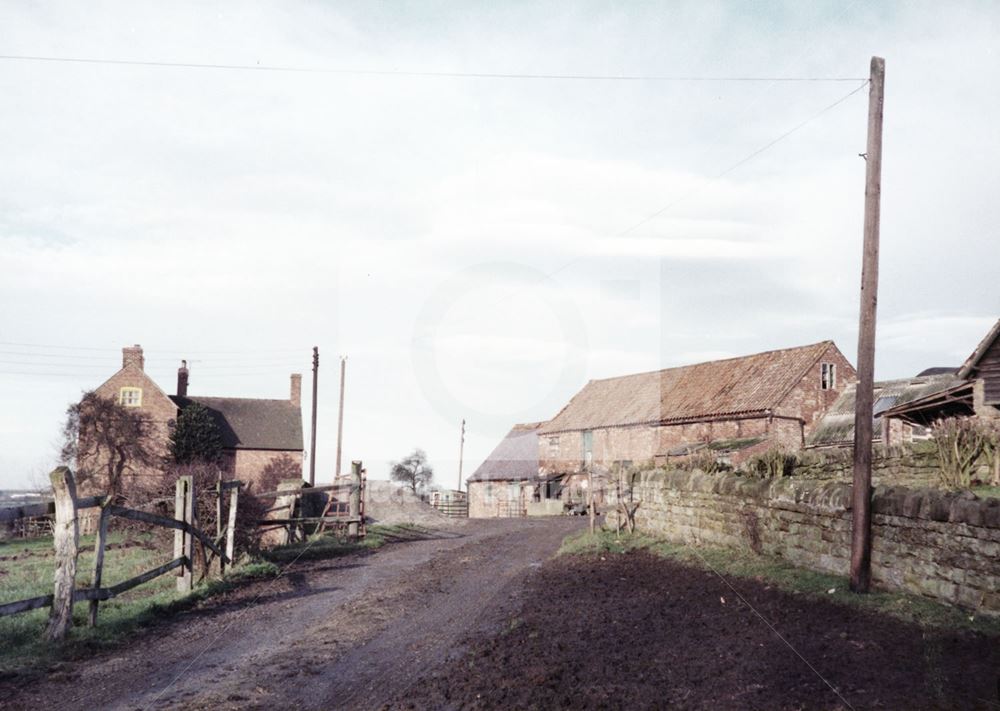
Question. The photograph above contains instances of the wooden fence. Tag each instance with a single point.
(291, 516)
(453, 508)
(66, 539)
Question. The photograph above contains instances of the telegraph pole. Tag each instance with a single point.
(461, 452)
(340, 414)
(861, 515)
(312, 455)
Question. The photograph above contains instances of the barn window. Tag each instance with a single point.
(553, 446)
(828, 376)
(488, 496)
(130, 397)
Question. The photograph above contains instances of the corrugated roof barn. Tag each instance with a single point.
(837, 425)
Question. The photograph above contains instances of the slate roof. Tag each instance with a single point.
(735, 386)
(837, 426)
(249, 423)
(514, 459)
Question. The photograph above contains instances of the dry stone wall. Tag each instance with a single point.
(943, 545)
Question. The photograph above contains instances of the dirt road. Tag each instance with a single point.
(354, 632)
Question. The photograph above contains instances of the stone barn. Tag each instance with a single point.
(733, 408)
(507, 481)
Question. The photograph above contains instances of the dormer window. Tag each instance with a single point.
(130, 397)
(828, 376)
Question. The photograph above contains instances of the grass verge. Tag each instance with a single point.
(985, 491)
(784, 576)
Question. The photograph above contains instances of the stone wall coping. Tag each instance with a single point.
(835, 497)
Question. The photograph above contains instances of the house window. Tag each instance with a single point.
(553, 446)
(828, 376)
(130, 397)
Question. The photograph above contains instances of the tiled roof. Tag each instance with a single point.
(734, 386)
(837, 425)
(514, 459)
(248, 423)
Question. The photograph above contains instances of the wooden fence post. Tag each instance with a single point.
(183, 541)
(102, 536)
(66, 538)
(354, 501)
(590, 498)
(234, 495)
(218, 519)
(288, 501)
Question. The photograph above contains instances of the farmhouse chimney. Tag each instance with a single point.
(132, 355)
(296, 394)
(182, 379)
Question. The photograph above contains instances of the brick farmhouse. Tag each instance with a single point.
(255, 432)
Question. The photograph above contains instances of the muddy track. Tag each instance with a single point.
(640, 632)
(354, 632)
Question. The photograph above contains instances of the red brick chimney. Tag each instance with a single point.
(182, 379)
(296, 394)
(132, 355)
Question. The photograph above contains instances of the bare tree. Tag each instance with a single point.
(107, 442)
(413, 470)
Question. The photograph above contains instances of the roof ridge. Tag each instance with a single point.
(984, 345)
(707, 362)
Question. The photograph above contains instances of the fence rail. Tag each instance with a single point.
(66, 539)
(453, 509)
(290, 514)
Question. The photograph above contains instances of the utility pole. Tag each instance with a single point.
(340, 414)
(312, 455)
(861, 514)
(461, 453)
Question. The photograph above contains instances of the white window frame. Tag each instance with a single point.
(130, 397)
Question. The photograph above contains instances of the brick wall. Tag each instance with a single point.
(642, 443)
(807, 400)
(489, 499)
(939, 544)
(248, 465)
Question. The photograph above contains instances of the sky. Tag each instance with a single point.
(477, 247)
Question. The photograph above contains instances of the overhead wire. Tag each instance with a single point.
(416, 73)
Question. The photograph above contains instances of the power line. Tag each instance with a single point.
(417, 74)
(748, 157)
(180, 351)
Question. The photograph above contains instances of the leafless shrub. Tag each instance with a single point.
(961, 444)
(775, 462)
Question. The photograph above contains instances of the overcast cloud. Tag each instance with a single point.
(469, 243)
